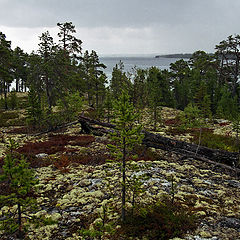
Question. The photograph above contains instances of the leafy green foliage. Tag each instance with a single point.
(94, 79)
(154, 95)
(127, 132)
(6, 76)
(135, 182)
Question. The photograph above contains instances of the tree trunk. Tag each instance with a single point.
(20, 232)
(155, 118)
(124, 181)
(17, 85)
(5, 95)
(97, 96)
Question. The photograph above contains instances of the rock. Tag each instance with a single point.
(234, 183)
(231, 223)
(42, 155)
(202, 238)
(84, 183)
(55, 216)
(201, 214)
(205, 234)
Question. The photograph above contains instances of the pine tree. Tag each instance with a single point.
(227, 105)
(154, 94)
(13, 100)
(126, 136)
(5, 66)
(119, 81)
(94, 77)
(108, 104)
(20, 181)
(140, 88)
(20, 69)
(34, 111)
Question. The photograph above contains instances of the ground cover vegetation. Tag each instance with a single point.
(60, 179)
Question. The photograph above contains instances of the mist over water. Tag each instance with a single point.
(139, 62)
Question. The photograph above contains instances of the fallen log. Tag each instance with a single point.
(56, 128)
(224, 159)
(168, 144)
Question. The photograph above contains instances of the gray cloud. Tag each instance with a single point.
(115, 13)
(127, 25)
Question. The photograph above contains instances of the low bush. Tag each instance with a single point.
(8, 117)
(215, 141)
(56, 143)
(173, 121)
(144, 153)
(161, 220)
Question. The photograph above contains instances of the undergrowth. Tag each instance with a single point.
(208, 138)
(215, 141)
(159, 221)
(56, 143)
(9, 118)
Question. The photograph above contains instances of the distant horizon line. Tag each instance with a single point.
(137, 54)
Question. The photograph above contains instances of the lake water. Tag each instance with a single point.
(139, 62)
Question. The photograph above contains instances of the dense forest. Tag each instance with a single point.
(58, 72)
(136, 156)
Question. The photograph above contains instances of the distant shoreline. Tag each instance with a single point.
(178, 55)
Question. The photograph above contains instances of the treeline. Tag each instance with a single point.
(60, 74)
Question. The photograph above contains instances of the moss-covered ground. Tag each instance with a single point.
(74, 181)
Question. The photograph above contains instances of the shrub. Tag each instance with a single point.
(161, 220)
(8, 117)
(56, 143)
(190, 116)
(63, 163)
(215, 141)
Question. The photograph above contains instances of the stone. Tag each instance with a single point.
(84, 183)
(205, 234)
(42, 155)
(231, 223)
(234, 183)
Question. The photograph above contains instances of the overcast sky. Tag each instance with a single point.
(124, 26)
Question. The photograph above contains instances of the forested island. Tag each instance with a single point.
(176, 55)
(152, 154)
